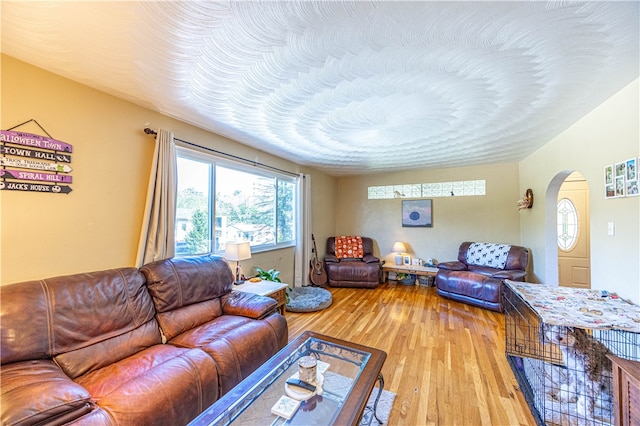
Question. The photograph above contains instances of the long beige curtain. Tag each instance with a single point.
(302, 253)
(157, 239)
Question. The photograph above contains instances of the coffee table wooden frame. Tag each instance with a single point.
(352, 409)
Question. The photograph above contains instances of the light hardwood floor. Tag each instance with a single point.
(445, 360)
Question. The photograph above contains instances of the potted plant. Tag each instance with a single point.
(271, 275)
(406, 279)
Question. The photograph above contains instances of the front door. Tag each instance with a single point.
(573, 233)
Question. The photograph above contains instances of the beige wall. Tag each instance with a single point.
(97, 226)
(609, 134)
(493, 217)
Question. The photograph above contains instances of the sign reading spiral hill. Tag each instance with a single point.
(46, 158)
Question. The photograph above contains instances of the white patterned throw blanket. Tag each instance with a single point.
(488, 254)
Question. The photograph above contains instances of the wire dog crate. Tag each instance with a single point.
(563, 370)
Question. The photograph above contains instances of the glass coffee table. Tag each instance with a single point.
(348, 381)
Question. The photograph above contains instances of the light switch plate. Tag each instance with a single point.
(611, 228)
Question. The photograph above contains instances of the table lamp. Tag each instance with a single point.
(238, 250)
(399, 248)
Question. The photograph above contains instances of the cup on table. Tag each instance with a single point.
(307, 369)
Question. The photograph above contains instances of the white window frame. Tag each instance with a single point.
(215, 161)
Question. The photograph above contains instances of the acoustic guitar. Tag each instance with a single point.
(317, 274)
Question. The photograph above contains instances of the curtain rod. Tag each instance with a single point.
(149, 131)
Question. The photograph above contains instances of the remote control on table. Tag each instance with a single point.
(299, 383)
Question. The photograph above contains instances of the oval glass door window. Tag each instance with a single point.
(567, 224)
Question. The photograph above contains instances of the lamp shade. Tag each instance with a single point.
(399, 247)
(239, 250)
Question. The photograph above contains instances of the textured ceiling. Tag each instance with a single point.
(348, 87)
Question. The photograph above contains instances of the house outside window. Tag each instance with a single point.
(219, 201)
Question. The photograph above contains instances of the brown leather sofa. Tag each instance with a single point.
(476, 277)
(364, 272)
(128, 346)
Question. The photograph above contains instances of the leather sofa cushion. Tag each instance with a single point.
(239, 345)
(473, 285)
(92, 357)
(163, 384)
(25, 324)
(85, 321)
(182, 281)
(35, 391)
(353, 271)
(247, 305)
(177, 321)
(186, 291)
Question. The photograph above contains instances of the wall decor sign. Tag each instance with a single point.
(417, 213)
(34, 153)
(38, 165)
(621, 179)
(38, 141)
(43, 154)
(25, 175)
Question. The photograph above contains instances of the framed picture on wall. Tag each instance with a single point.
(609, 188)
(417, 213)
(620, 174)
(619, 186)
(631, 178)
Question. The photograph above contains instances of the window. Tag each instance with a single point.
(251, 205)
(567, 224)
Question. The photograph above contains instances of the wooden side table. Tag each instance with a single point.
(626, 391)
(277, 291)
(408, 269)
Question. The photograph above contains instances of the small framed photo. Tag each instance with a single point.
(631, 169)
(406, 260)
(619, 185)
(619, 176)
(631, 181)
(609, 188)
(416, 261)
(608, 174)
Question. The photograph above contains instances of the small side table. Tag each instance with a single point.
(408, 269)
(274, 290)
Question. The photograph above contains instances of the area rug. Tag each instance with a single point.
(308, 299)
(383, 410)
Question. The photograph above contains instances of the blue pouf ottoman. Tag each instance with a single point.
(308, 299)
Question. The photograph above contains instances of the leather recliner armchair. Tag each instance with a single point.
(361, 272)
(476, 277)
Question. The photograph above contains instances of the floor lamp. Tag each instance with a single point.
(237, 251)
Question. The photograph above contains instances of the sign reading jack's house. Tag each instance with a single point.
(51, 156)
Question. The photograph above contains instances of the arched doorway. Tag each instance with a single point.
(567, 241)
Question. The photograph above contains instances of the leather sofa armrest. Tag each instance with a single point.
(38, 392)
(247, 305)
(452, 266)
(331, 258)
(369, 258)
(515, 275)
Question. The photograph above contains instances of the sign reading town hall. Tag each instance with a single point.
(49, 155)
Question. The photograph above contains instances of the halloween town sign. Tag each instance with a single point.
(51, 155)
